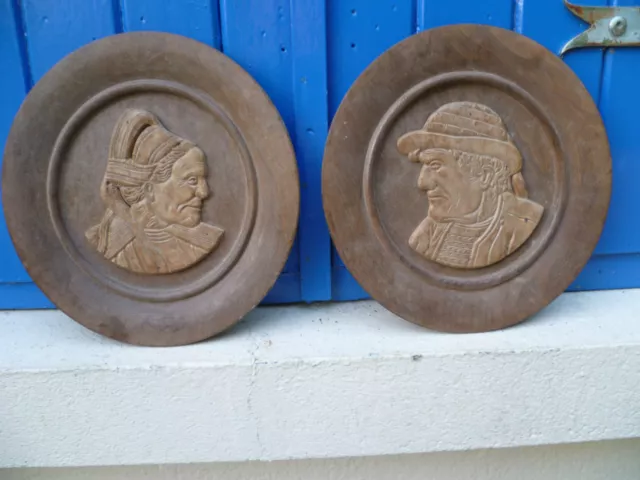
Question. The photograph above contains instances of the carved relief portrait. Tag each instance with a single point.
(153, 191)
(478, 210)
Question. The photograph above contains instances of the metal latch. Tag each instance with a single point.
(610, 27)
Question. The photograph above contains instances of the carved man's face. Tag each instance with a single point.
(452, 192)
(178, 200)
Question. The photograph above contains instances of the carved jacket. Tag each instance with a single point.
(160, 250)
(481, 244)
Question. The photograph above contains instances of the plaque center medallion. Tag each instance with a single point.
(153, 190)
(478, 211)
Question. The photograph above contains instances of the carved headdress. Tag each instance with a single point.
(142, 151)
(471, 128)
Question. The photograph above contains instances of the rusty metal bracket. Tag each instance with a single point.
(610, 27)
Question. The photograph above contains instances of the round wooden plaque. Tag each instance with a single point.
(466, 178)
(151, 189)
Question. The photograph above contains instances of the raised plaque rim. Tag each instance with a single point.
(403, 289)
(195, 65)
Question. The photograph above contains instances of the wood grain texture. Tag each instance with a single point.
(154, 189)
(51, 182)
(566, 162)
(472, 174)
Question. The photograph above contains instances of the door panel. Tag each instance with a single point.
(14, 82)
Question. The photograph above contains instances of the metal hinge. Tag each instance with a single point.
(610, 27)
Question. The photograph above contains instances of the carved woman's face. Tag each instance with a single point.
(178, 200)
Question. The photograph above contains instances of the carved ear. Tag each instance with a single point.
(113, 199)
(487, 176)
(519, 188)
(148, 190)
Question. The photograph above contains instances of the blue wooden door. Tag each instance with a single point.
(306, 54)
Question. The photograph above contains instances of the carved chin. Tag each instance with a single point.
(190, 220)
(188, 216)
(440, 210)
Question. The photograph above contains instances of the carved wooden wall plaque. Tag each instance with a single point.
(466, 178)
(152, 196)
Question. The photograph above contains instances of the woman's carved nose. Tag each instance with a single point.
(203, 190)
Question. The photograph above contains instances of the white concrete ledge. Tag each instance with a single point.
(318, 382)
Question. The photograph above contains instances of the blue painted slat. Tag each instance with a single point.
(308, 38)
(432, 13)
(257, 35)
(345, 287)
(285, 290)
(197, 19)
(605, 272)
(23, 296)
(56, 28)
(51, 30)
(13, 85)
(619, 104)
(359, 31)
(551, 24)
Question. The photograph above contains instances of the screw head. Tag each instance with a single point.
(617, 26)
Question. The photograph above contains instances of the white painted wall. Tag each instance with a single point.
(344, 391)
(613, 460)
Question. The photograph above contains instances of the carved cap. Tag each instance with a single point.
(464, 126)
